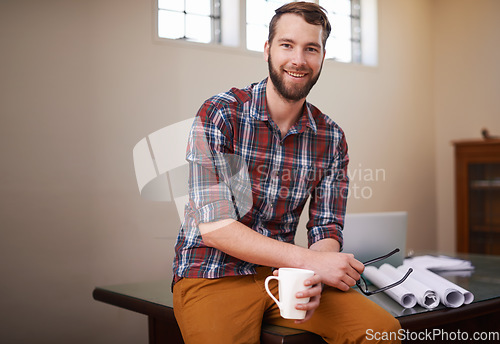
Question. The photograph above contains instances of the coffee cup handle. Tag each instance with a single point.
(266, 284)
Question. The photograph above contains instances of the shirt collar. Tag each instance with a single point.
(259, 111)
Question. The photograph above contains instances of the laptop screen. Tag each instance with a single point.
(371, 235)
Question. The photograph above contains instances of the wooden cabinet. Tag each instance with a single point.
(477, 176)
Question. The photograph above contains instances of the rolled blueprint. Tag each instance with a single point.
(468, 296)
(426, 297)
(399, 293)
(450, 294)
(394, 308)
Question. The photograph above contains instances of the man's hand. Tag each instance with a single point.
(339, 270)
(314, 294)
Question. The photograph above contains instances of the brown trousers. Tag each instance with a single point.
(231, 310)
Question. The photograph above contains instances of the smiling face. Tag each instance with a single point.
(295, 57)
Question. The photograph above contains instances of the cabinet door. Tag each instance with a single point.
(478, 196)
(484, 208)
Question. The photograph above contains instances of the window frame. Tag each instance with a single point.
(369, 24)
(214, 16)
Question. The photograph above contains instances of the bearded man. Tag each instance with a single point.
(290, 151)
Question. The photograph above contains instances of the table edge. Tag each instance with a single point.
(448, 315)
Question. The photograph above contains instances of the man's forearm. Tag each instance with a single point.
(240, 241)
(326, 245)
(336, 269)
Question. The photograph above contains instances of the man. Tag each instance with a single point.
(289, 151)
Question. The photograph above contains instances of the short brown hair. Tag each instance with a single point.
(311, 12)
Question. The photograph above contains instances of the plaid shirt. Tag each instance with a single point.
(241, 168)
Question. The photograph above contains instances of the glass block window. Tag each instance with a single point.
(344, 43)
(245, 25)
(190, 20)
(258, 16)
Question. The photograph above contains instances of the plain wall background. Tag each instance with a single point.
(466, 93)
(81, 82)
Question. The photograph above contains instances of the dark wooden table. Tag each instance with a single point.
(154, 299)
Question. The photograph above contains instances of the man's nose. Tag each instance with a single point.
(298, 57)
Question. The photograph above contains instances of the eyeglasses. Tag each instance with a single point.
(363, 286)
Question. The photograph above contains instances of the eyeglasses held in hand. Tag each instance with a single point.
(363, 286)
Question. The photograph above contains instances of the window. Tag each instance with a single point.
(344, 43)
(258, 16)
(191, 20)
(244, 24)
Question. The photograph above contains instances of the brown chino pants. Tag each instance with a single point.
(231, 310)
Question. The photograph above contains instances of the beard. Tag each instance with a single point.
(294, 92)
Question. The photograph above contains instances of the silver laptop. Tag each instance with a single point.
(371, 235)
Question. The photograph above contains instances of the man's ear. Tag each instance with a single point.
(266, 51)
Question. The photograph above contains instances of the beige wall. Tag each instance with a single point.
(82, 81)
(466, 93)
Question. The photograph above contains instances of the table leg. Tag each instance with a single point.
(164, 330)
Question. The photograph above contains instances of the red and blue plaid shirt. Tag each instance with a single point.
(241, 168)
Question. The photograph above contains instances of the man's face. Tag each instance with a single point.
(295, 57)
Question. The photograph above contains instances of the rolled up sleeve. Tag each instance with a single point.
(210, 195)
(329, 199)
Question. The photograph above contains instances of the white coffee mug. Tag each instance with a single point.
(290, 282)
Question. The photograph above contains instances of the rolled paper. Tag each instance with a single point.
(399, 293)
(440, 263)
(449, 293)
(426, 297)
